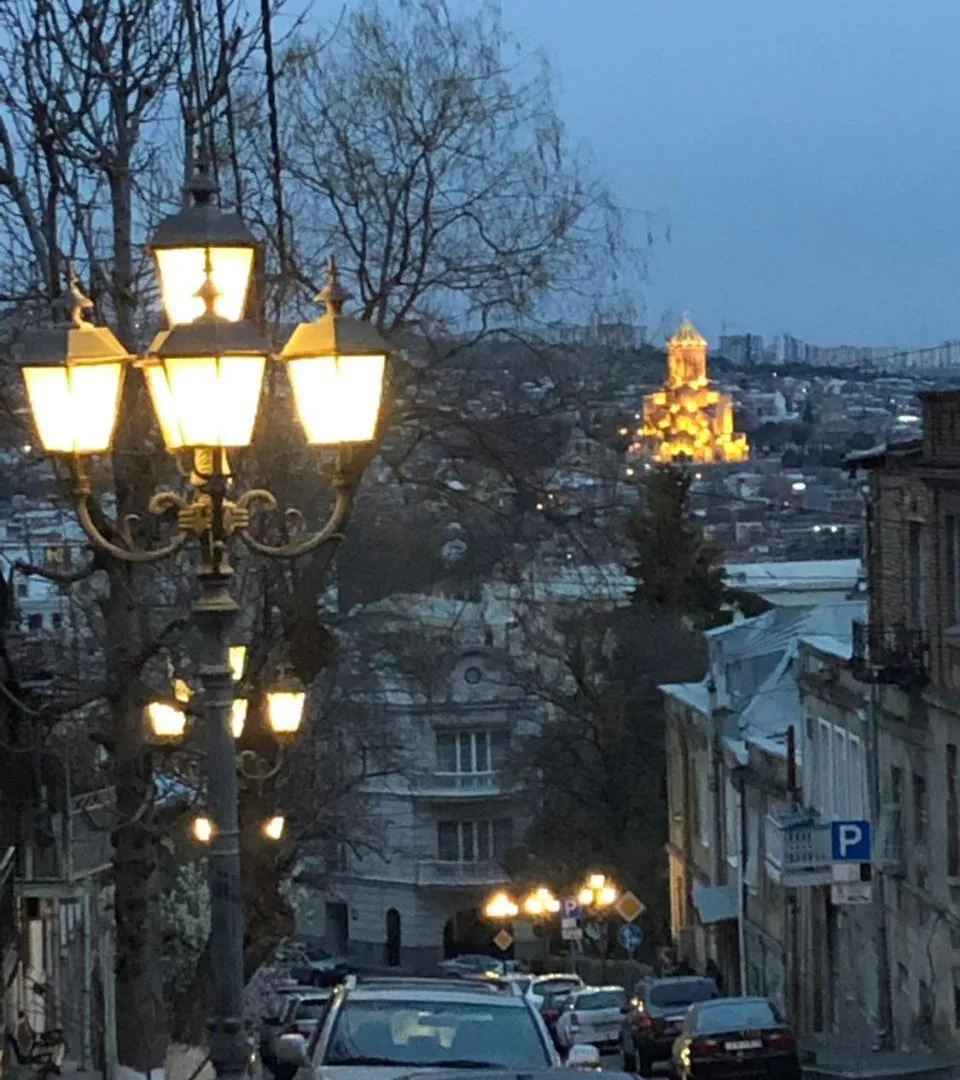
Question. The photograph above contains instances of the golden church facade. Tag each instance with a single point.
(687, 419)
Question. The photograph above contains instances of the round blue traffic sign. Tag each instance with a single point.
(630, 936)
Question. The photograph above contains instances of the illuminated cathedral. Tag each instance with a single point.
(688, 419)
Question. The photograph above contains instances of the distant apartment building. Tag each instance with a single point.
(744, 350)
(615, 336)
(791, 350)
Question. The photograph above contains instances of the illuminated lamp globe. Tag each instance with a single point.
(205, 379)
(166, 720)
(203, 829)
(606, 896)
(533, 906)
(73, 373)
(238, 716)
(597, 881)
(285, 702)
(273, 828)
(336, 369)
(585, 897)
(500, 906)
(238, 661)
(185, 242)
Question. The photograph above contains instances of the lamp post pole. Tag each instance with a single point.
(215, 612)
(204, 375)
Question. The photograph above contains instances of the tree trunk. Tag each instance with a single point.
(141, 1015)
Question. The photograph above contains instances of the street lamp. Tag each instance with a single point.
(336, 367)
(166, 720)
(204, 375)
(273, 828)
(203, 829)
(500, 906)
(285, 702)
(540, 904)
(201, 234)
(598, 893)
(238, 661)
(73, 374)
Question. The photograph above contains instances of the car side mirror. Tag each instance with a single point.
(292, 1050)
(624, 1010)
(583, 1056)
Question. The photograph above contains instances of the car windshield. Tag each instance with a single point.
(684, 992)
(554, 999)
(436, 1034)
(602, 999)
(737, 1016)
(553, 986)
(312, 1010)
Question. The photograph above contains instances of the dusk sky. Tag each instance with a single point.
(805, 155)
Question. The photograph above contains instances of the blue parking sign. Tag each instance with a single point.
(571, 909)
(850, 841)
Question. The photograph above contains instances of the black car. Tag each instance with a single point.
(653, 1018)
(736, 1037)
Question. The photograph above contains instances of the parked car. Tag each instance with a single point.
(471, 964)
(592, 1016)
(653, 1018)
(551, 1007)
(271, 1024)
(542, 985)
(301, 1015)
(735, 1037)
(399, 1026)
(310, 964)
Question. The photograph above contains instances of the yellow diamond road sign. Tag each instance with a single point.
(629, 907)
(503, 940)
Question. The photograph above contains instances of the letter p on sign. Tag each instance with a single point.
(850, 841)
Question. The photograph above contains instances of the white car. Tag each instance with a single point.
(541, 985)
(592, 1017)
(395, 1027)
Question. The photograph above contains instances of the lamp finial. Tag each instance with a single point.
(333, 294)
(75, 305)
(208, 291)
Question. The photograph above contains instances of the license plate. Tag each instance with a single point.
(744, 1044)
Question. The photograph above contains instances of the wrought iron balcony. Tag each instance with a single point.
(459, 874)
(461, 784)
(892, 654)
(797, 850)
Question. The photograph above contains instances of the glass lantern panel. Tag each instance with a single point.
(337, 398)
(183, 271)
(75, 408)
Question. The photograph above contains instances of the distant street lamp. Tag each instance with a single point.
(540, 904)
(501, 907)
(204, 374)
(598, 893)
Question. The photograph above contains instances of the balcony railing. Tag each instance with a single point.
(797, 850)
(458, 874)
(462, 783)
(890, 654)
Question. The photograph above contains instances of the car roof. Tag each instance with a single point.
(673, 980)
(413, 989)
(557, 975)
(556, 1072)
(445, 992)
(600, 990)
(733, 1001)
